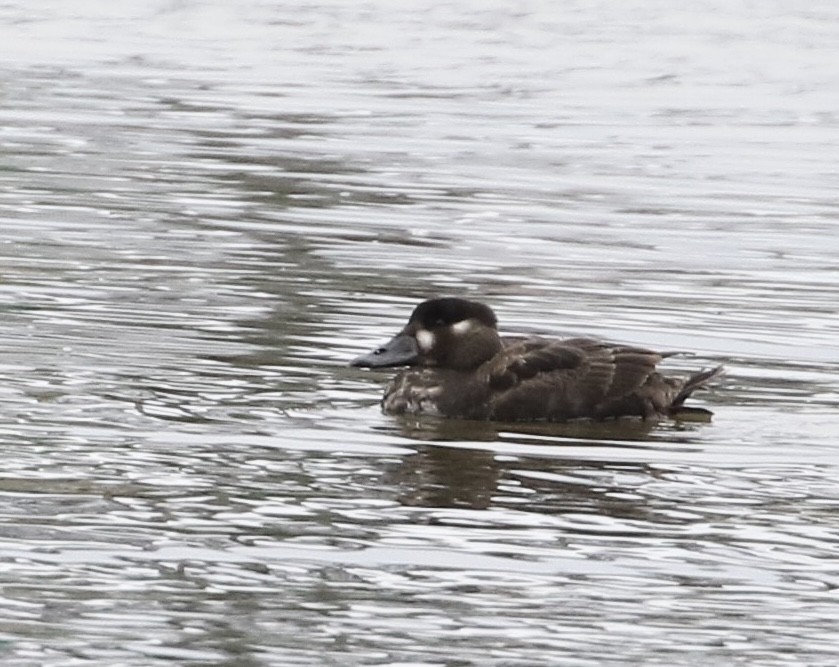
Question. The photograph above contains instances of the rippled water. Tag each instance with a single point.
(208, 208)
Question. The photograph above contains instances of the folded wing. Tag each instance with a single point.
(574, 378)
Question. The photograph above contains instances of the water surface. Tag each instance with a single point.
(206, 211)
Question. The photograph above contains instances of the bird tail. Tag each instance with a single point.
(694, 382)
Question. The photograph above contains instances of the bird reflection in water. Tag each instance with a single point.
(451, 470)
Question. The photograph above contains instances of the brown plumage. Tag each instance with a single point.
(461, 368)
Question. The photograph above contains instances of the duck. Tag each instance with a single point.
(458, 366)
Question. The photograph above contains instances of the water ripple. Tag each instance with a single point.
(207, 211)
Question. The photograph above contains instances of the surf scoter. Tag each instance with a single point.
(461, 368)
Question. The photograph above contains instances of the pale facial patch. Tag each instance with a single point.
(425, 339)
(460, 328)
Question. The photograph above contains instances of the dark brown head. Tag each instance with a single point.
(446, 333)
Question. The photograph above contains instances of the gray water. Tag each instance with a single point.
(207, 209)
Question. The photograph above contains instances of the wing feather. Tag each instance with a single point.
(565, 379)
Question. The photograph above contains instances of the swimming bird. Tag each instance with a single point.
(460, 367)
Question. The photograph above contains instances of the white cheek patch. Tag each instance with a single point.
(425, 339)
(460, 328)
